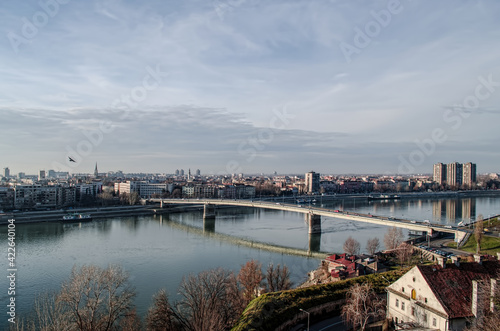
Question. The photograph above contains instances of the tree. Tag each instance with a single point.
(351, 246)
(362, 304)
(478, 232)
(209, 301)
(278, 279)
(250, 278)
(96, 298)
(131, 322)
(373, 245)
(393, 238)
(404, 252)
(133, 198)
(161, 316)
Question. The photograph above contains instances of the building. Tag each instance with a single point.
(454, 174)
(469, 174)
(6, 172)
(312, 182)
(443, 296)
(143, 188)
(41, 175)
(96, 172)
(440, 173)
(35, 196)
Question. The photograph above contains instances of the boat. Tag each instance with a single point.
(76, 217)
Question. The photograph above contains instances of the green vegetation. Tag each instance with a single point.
(489, 245)
(270, 310)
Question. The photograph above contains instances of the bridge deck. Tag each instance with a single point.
(368, 218)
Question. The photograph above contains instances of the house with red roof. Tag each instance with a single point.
(342, 266)
(443, 296)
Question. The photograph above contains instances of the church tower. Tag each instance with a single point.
(96, 173)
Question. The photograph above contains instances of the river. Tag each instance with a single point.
(157, 251)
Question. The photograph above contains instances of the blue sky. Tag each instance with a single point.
(249, 86)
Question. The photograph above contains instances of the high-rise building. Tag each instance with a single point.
(454, 174)
(182, 172)
(6, 172)
(312, 182)
(177, 172)
(440, 173)
(198, 172)
(469, 173)
(41, 175)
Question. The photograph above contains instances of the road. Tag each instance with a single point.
(331, 324)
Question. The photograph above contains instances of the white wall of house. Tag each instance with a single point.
(410, 299)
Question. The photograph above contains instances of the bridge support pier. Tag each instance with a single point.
(208, 211)
(314, 222)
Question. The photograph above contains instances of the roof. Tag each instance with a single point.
(452, 285)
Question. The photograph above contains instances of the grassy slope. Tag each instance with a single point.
(270, 310)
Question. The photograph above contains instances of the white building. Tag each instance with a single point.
(143, 188)
(441, 297)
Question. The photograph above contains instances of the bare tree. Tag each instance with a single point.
(95, 298)
(478, 232)
(403, 253)
(351, 246)
(373, 245)
(161, 316)
(362, 304)
(250, 278)
(393, 238)
(131, 322)
(278, 279)
(47, 315)
(488, 305)
(133, 198)
(210, 301)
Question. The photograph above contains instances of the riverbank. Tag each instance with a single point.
(96, 213)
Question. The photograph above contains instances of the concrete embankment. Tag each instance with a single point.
(96, 213)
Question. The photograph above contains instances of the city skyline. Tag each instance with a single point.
(249, 86)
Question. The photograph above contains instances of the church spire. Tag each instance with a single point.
(96, 173)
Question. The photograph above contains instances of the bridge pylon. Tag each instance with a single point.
(314, 222)
(208, 211)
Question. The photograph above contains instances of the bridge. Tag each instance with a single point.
(313, 215)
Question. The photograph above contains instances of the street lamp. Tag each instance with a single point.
(302, 310)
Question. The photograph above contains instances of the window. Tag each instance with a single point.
(425, 318)
(397, 302)
(412, 311)
(434, 322)
(402, 305)
(425, 300)
(413, 294)
(403, 289)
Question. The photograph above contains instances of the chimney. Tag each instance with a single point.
(478, 258)
(456, 260)
(442, 262)
(494, 288)
(476, 300)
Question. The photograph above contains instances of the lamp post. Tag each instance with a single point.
(302, 310)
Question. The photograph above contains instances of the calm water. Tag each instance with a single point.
(158, 251)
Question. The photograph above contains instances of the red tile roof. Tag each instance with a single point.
(453, 285)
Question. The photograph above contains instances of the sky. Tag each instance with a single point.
(249, 86)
